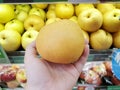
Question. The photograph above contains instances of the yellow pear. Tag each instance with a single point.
(111, 20)
(101, 40)
(2, 27)
(90, 20)
(116, 39)
(86, 35)
(80, 7)
(104, 7)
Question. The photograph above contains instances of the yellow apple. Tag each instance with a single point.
(117, 5)
(64, 10)
(16, 25)
(51, 20)
(10, 40)
(40, 5)
(74, 19)
(28, 37)
(111, 20)
(24, 7)
(12, 84)
(51, 6)
(6, 13)
(2, 27)
(21, 77)
(21, 15)
(90, 19)
(50, 14)
(101, 40)
(80, 7)
(34, 22)
(104, 7)
(13, 6)
(116, 39)
(39, 12)
(86, 35)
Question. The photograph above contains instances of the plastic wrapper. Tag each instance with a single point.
(98, 73)
(12, 76)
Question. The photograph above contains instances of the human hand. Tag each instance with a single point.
(44, 75)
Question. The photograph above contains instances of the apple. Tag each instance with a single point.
(16, 25)
(10, 40)
(24, 7)
(51, 20)
(34, 22)
(105, 7)
(64, 10)
(101, 40)
(12, 84)
(100, 69)
(8, 74)
(6, 13)
(40, 5)
(13, 6)
(108, 66)
(51, 6)
(74, 19)
(50, 14)
(86, 35)
(21, 76)
(80, 7)
(116, 39)
(39, 12)
(28, 37)
(92, 77)
(2, 27)
(117, 5)
(111, 20)
(21, 15)
(90, 20)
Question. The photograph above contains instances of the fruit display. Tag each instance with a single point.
(94, 73)
(12, 76)
(98, 74)
(60, 28)
(91, 18)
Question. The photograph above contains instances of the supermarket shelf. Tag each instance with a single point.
(18, 56)
(56, 1)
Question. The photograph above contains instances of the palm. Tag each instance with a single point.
(52, 75)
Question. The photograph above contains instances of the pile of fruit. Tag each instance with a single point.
(98, 73)
(20, 23)
(12, 76)
(93, 73)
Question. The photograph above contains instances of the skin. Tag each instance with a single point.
(44, 75)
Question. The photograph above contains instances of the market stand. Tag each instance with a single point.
(17, 57)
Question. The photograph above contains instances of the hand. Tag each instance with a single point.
(44, 75)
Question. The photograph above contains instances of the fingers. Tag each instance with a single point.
(80, 63)
(30, 51)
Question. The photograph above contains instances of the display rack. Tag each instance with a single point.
(17, 57)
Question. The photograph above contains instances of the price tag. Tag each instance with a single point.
(3, 56)
(116, 63)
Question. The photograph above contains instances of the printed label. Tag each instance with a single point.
(116, 63)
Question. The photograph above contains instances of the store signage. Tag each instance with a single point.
(3, 56)
(116, 63)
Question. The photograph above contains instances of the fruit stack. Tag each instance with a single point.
(12, 76)
(98, 74)
(21, 23)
